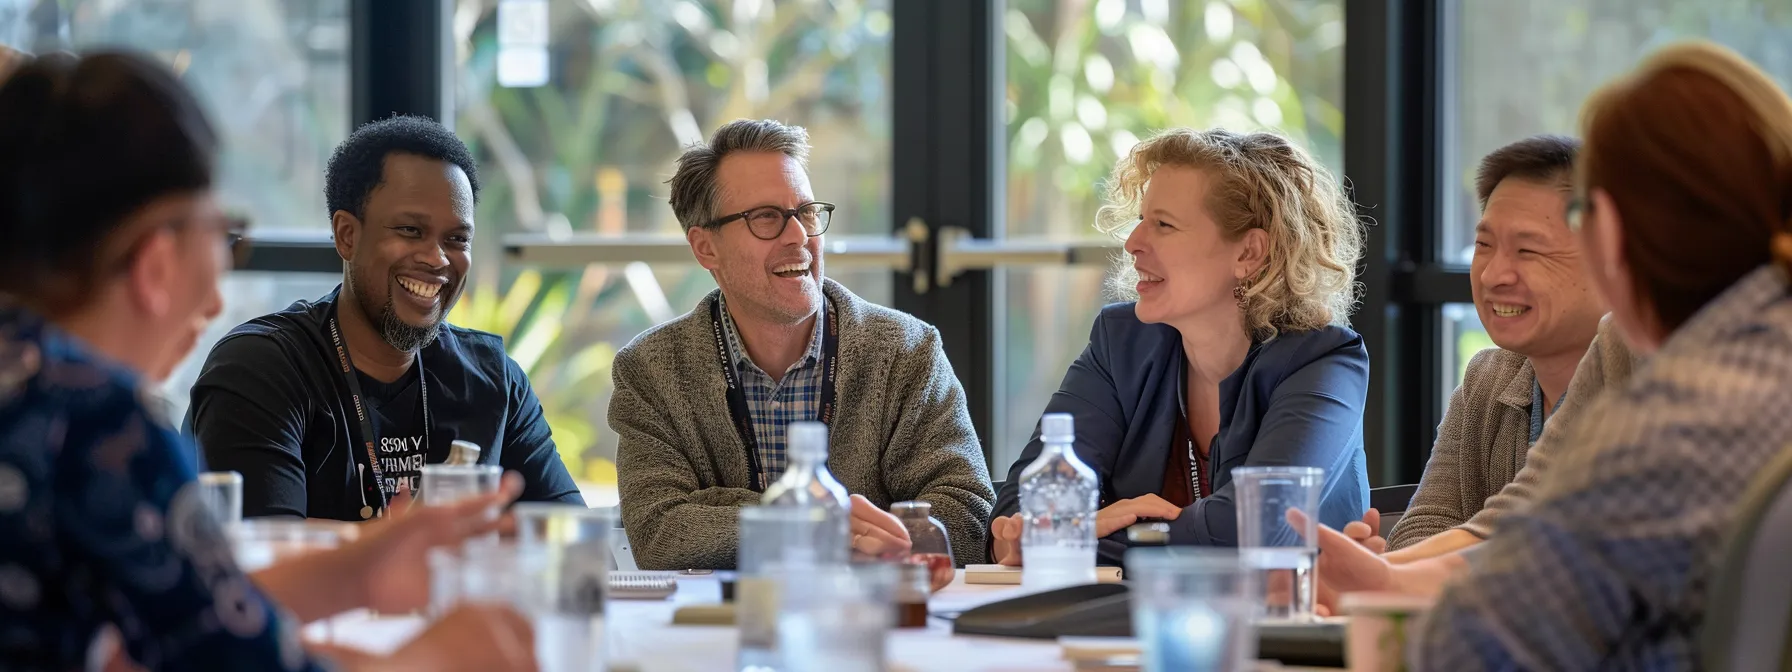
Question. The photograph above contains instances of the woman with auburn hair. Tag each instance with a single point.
(1234, 350)
(1684, 209)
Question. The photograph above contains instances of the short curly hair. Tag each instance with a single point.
(359, 164)
(1262, 181)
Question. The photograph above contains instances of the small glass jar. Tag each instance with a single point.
(912, 590)
(928, 544)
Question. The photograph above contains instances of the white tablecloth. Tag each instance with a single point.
(642, 637)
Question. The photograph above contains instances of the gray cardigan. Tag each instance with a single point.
(902, 432)
(1482, 464)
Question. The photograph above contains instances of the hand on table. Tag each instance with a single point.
(387, 557)
(1122, 514)
(876, 532)
(1345, 565)
(1005, 531)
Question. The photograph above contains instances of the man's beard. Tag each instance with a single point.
(401, 336)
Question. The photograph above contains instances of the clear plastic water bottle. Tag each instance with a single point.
(1058, 501)
(807, 482)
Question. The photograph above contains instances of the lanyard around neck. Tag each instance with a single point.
(367, 438)
(742, 414)
(1197, 485)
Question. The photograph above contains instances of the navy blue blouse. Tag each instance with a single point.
(1297, 400)
(103, 525)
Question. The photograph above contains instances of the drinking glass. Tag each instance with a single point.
(260, 542)
(558, 587)
(1192, 609)
(445, 484)
(1282, 555)
(222, 493)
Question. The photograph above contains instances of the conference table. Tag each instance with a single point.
(641, 636)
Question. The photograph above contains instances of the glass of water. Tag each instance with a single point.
(835, 619)
(1282, 555)
(222, 492)
(258, 543)
(559, 588)
(570, 548)
(777, 542)
(445, 484)
(1192, 609)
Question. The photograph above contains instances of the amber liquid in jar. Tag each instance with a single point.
(940, 571)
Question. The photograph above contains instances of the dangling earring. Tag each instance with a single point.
(1238, 295)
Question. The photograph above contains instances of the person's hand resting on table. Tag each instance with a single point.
(876, 532)
(1347, 565)
(1005, 531)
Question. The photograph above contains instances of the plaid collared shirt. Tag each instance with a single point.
(776, 404)
(1610, 565)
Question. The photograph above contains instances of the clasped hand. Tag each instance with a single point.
(1005, 532)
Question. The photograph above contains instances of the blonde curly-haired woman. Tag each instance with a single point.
(1235, 352)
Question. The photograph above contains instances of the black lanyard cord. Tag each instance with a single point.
(742, 415)
(367, 438)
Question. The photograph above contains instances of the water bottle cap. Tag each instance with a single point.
(1057, 428)
(463, 452)
(806, 439)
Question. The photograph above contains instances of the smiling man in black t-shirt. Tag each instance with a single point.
(327, 406)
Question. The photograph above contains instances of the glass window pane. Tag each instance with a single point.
(273, 76)
(1525, 66)
(1086, 80)
(576, 111)
(1463, 336)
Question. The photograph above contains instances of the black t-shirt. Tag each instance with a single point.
(396, 410)
(271, 403)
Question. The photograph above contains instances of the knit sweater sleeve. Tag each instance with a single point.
(1438, 504)
(673, 522)
(1607, 365)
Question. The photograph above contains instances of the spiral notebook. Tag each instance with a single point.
(626, 585)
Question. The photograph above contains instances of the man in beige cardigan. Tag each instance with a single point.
(1516, 402)
(701, 403)
(1530, 294)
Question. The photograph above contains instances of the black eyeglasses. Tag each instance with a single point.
(233, 228)
(768, 222)
(236, 236)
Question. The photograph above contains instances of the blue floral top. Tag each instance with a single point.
(103, 525)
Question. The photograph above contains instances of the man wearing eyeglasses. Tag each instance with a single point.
(701, 403)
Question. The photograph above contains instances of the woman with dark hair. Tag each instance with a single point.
(1684, 208)
(113, 248)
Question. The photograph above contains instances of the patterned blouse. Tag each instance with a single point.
(1610, 565)
(103, 526)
